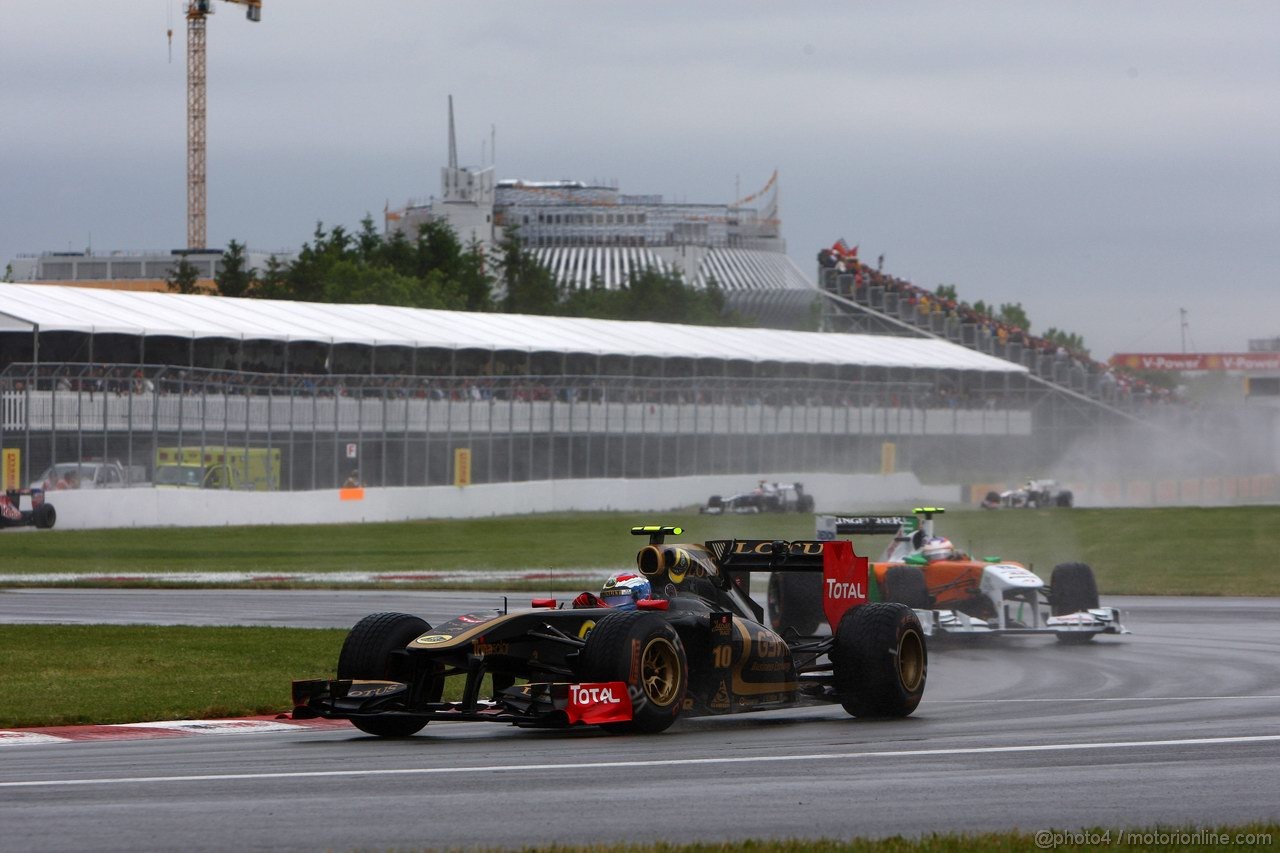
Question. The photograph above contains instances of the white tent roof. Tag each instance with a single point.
(69, 309)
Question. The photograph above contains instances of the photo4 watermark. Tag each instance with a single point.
(1053, 839)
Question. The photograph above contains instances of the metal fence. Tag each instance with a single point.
(407, 430)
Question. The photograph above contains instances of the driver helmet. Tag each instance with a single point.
(623, 589)
(938, 548)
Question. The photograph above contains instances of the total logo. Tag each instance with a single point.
(840, 590)
(593, 695)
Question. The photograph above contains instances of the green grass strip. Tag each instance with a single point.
(1175, 551)
(58, 675)
(1163, 838)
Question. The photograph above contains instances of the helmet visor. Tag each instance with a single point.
(619, 598)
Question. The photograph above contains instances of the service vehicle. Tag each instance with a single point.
(953, 593)
(90, 474)
(216, 467)
(765, 497)
(698, 646)
(1034, 494)
(41, 514)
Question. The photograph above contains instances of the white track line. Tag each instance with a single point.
(1094, 699)
(668, 762)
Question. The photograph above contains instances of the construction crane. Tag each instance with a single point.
(197, 12)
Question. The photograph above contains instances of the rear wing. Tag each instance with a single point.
(767, 555)
(903, 526)
(845, 581)
(831, 526)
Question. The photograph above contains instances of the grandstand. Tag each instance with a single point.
(90, 373)
(1089, 420)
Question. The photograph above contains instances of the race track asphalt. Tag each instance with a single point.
(1178, 723)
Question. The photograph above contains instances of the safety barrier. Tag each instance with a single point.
(1201, 491)
(161, 507)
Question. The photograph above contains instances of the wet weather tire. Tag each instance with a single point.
(1072, 588)
(368, 653)
(644, 652)
(795, 601)
(906, 585)
(44, 516)
(1065, 499)
(880, 661)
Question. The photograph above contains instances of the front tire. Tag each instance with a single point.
(1065, 499)
(795, 601)
(880, 661)
(906, 585)
(369, 652)
(643, 651)
(1072, 588)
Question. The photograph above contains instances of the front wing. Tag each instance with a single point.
(541, 705)
(949, 623)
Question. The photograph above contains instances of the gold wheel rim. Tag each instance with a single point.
(660, 671)
(911, 661)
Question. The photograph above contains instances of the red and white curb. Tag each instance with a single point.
(167, 729)
(459, 576)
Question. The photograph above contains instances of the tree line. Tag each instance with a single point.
(435, 270)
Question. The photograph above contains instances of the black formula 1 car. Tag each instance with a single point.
(698, 648)
(41, 515)
(765, 497)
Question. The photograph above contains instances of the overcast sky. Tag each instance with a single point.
(1103, 163)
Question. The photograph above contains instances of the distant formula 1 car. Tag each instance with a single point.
(766, 497)
(954, 593)
(1035, 494)
(697, 647)
(41, 514)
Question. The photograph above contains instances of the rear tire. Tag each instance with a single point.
(795, 601)
(1065, 499)
(44, 517)
(805, 504)
(368, 653)
(644, 652)
(906, 585)
(880, 661)
(1072, 588)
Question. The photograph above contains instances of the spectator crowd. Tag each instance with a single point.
(841, 272)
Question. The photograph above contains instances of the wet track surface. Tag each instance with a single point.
(1177, 723)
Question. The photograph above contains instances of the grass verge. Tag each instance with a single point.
(58, 675)
(1163, 838)
(1184, 551)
